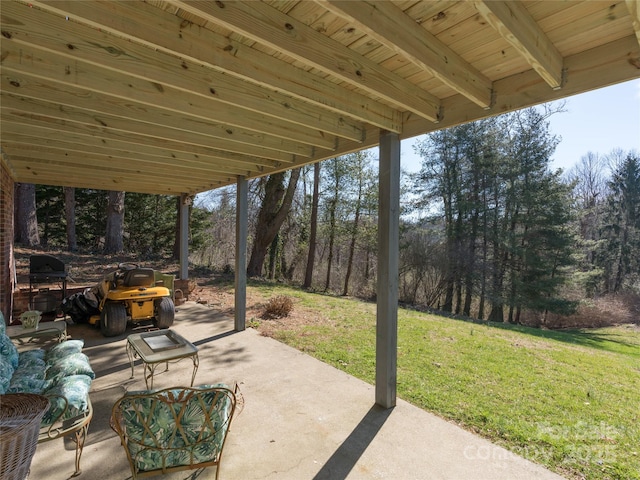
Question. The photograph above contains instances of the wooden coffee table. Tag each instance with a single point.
(160, 346)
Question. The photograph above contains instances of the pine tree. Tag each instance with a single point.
(619, 256)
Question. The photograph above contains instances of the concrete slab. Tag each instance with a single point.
(301, 419)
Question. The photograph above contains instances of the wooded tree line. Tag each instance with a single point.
(100, 221)
(488, 229)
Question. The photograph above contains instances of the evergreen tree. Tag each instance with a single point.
(503, 212)
(149, 223)
(619, 255)
(49, 203)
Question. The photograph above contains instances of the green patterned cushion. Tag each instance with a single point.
(8, 350)
(74, 364)
(31, 361)
(75, 389)
(26, 380)
(156, 440)
(3, 326)
(64, 349)
(29, 355)
(6, 371)
(29, 376)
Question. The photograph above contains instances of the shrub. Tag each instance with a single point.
(278, 307)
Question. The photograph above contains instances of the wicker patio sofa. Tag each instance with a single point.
(63, 375)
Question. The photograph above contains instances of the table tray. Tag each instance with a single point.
(162, 341)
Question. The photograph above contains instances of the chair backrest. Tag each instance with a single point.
(165, 280)
(138, 277)
(175, 428)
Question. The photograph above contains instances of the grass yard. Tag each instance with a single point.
(567, 400)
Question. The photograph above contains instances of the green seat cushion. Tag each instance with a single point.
(74, 364)
(30, 355)
(160, 436)
(6, 372)
(75, 389)
(28, 377)
(26, 384)
(64, 349)
(8, 350)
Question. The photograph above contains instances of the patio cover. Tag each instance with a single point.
(185, 96)
(179, 97)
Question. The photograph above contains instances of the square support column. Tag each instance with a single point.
(241, 254)
(388, 253)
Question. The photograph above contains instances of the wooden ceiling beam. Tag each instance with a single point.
(265, 146)
(74, 42)
(608, 64)
(34, 135)
(106, 181)
(268, 26)
(389, 25)
(514, 23)
(51, 168)
(101, 163)
(28, 145)
(634, 10)
(95, 88)
(177, 37)
(30, 122)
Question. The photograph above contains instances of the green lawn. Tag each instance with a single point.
(567, 400)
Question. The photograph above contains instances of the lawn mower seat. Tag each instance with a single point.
(139, 277)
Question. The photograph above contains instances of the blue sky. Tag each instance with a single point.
(597, 121)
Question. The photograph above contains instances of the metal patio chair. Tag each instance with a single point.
(173, 429)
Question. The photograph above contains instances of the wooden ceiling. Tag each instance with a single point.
(185, 96)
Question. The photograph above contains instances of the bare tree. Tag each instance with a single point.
(308, 276)
(360, 165)
(275, 207)
(113, 242)
(26, 218)
(70, 217)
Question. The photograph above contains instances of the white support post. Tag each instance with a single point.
(388, 253)
(185, 203)
(241, 254)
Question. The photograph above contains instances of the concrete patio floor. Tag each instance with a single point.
(301, 419)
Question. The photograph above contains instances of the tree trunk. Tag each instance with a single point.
(273, 254)
(70, 217)
(113, 242)
(354, 235)
(449, 282)
(332, 236)
(308, 276)
(26, 217)
(274, 209)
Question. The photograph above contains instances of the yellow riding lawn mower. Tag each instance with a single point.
(130, 293)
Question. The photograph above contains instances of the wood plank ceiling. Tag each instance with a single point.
(184, 96)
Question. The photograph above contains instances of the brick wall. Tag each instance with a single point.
(6, 242)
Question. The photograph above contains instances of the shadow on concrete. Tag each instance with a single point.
(346, 457)
(197, 343)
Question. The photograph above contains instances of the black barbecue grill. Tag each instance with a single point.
(46, 269)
